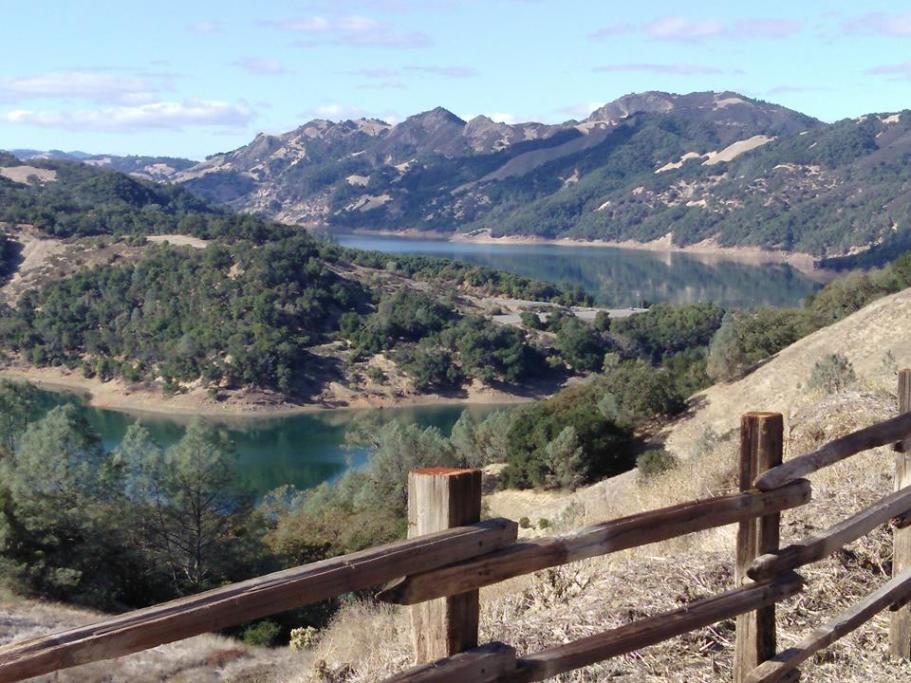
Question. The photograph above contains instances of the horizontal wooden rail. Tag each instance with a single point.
(249, 600)
(599, 539)
(483, 664)
(881, 434)
(635, 636)
(894, 591)
(818, 546)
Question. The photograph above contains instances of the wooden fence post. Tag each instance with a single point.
(761, 443)
(441, 498)
(900, 628)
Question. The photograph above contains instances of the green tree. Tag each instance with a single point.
(566, 460)
(59, 533)
(580, 345)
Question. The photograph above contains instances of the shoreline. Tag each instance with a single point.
(116, 396)
(709, 249)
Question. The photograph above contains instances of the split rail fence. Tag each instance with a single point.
(450, 554)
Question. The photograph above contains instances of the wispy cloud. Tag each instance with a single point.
(677, 28)
(789, 89)
(336, 111)
(878, 23)
(206, 27)
(445, 71)
(259, 66)
(154, 115)
(351, 31)
(577, 111)
(896, 72)
(94, 86)
(664, 69)
(612, 30)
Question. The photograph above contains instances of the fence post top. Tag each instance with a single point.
(761, 414)
(445, 471)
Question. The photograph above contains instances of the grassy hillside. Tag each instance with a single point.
(585, 598)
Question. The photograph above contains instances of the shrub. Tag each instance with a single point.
(654, 462)
(376, 374)
(580, 345)
(832, 374)
(303, 638)
(531, 320)
(525, 523)
(261, 634)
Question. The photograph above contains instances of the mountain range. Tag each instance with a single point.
(705, 166)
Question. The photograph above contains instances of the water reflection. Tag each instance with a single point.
(620, 277)
(302, 450)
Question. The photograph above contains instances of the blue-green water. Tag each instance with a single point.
(620, 277)
(302, 450)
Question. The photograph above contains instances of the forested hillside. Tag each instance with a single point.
(702, 166)
(256, 306)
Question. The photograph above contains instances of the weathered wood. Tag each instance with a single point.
(816, 547)
(483, 664)
(599, 539)
(881, 434)
(761, 448)
(248, 600)
(442, 498)
(656, 629)
(897, 589)
(900, 626)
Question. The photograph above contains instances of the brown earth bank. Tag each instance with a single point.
(116, 394)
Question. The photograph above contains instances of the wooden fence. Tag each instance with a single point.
(451, 553)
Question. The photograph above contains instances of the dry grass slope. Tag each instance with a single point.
(367, 641)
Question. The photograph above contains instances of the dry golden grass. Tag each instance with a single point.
(202, 659)
(558, 606)
(366, 642)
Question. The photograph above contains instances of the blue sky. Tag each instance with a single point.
(194, 78)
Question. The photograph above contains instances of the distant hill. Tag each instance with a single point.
(161, 169)
(703, 166)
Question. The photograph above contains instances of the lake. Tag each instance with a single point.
(303, 450)
(307, 449)
(619, 278)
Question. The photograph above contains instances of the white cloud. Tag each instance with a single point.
(153, 115)
(503, 117)
(445, 71)
(877, 23)
(263, 67)
(206, 27)
(578, 111)
(896, 72)
(351, 31)
(96, 86)
(679, 28)
(666, 69)
(337, 111)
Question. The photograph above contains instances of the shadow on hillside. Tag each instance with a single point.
(12, 260)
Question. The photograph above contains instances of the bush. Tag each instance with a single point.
(303, 638)
(595, 447)
(832, 374)
(261, 634)
(525, 523)
(580, 345)
(654, 462)
(531, 320)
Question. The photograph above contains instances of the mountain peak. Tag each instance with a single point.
(437, 116)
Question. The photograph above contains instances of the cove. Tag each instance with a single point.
(302, 450)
